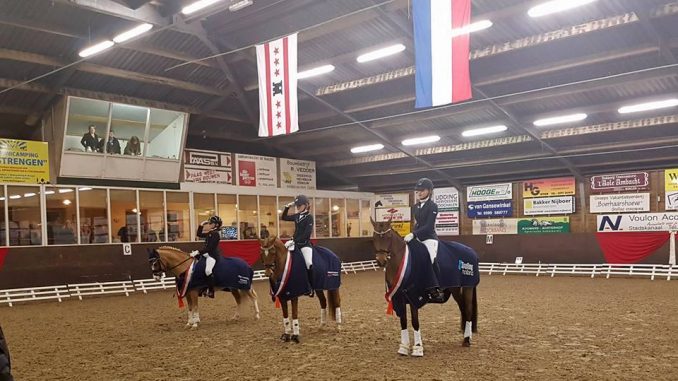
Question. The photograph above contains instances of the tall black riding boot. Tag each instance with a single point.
(211, 284)
(309, 272)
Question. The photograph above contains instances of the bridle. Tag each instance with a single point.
(266, 251)
(155, 260)
(385, 252)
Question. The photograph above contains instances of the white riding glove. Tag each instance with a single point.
(289, 204)
(289, 245)
(194, 253)
(409, 237)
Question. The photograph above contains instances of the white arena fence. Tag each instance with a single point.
(59, 293)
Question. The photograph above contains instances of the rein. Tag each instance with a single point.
(162, 264)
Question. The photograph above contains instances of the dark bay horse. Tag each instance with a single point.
(392, 253)
(274, 256)
(168, 259)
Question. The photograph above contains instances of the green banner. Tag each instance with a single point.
(544, 225)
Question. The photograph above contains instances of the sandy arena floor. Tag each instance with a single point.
(530, 328)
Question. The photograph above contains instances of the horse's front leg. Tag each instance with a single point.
(192, 297)
(467, 315)
(287, 325)
(323, 306)
(295, 320)
(404, 348)
(238, 300)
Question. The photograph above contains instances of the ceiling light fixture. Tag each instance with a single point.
(484, 131)
(14, 196)
(240, 5)
(65, 190)
(315, 71)
(136, 31)
(560, 119)
(647, 106)
(380, 53)
(94, 49)
(556, 6)
(198, 5)
(367, 148)
(67, 202)
(84, 189)
(49, 192)
(473, 27)
(421, 140)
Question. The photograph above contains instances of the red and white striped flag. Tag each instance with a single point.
(277, 67)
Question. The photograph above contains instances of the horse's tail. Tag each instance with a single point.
(334, 301)
(475, 310)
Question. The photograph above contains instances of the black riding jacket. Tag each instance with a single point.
(5, 363)
(425, 220)
(303, 227)
(212, 239)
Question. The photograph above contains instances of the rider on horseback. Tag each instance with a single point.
(211, 249)
(425, 212)
(303, 228)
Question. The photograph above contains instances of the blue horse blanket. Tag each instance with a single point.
(294, 280)
(229, 274)
(457, 266)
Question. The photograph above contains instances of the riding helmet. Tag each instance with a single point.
(216, 220)
(424, 183)
(301, 200)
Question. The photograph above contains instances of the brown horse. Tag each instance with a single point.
(273, 256)
(168, 259)
(390, 249)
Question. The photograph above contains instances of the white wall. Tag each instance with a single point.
(166, 143)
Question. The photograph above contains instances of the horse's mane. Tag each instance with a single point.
(170, 248)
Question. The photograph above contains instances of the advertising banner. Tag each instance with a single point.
(671, 188)
(388, 200)
(620, 203)
(500, 226)
(24, 161)
(548, 205)
(297, 174)
(447, 220)
(542, 225)
(622, 182)
(483, 209)
(403, 213)
(491, 192)
(562, 186)
(208, 167)
(256, 171)
(643, 222)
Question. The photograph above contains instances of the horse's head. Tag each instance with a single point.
(269, 249)
(157, 267)
(383, 239)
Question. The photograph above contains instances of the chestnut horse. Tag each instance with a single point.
(168, 259)
(274, 256)
(390, 253)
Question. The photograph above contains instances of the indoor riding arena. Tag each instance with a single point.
(338, 190)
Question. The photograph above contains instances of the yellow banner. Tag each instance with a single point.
(671, 180)
(562, 186)
(24, 161)
(403, 228)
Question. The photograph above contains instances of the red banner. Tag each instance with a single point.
(630, 247)
(247, 250)
(3, 254)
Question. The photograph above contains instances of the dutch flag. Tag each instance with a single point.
(442, 61)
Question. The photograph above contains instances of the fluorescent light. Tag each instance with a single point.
(2, 199)
(381, 53)
(240, 5)
(94, 49)
(49, 192)
(473, 27)
(84, 189)
(555, 6)
(335, 208)
(29, 195)
(65, 190)
(484, 131)
(198, 5)
(315, 71)
(134, 210)
(367, 148)
(666, 103)
(124, 36)
(67, 202)
(14, 197)
(560, 119)
(421, 140)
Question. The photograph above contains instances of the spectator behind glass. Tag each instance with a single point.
(90, 140)
(133, 147)
(112, 144)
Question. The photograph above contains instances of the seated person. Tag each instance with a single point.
(112, 144)
(90, 140)
(133, 147)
